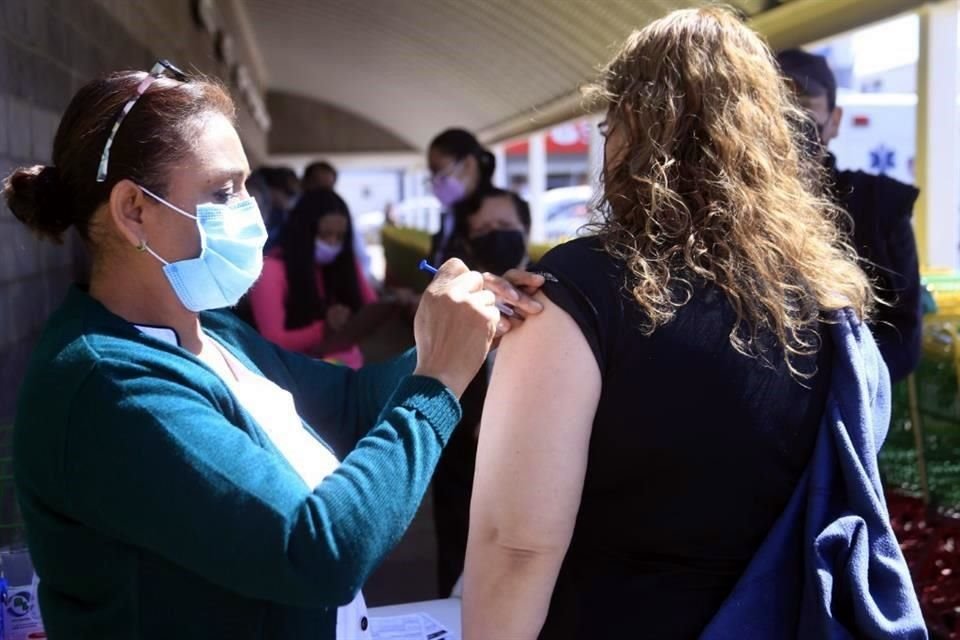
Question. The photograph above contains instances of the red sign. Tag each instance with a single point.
(568, 138)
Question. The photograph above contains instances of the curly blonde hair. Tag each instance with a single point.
(706, 180)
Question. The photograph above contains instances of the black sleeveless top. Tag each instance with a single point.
(694, 453)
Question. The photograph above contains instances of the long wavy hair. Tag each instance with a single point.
(304, 304)
(706, 182)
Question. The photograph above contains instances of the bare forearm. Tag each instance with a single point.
(507, 590)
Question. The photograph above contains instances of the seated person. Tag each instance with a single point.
(498, 232)
(323, 175)
(311, 290)
(493, 236)
(495, 240)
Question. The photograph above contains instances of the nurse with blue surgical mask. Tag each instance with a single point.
(165, 453)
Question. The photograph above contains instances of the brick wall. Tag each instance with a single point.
(48, 50)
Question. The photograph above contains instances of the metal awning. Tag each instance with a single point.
(501, 68)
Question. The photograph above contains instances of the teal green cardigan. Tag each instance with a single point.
(156, 507)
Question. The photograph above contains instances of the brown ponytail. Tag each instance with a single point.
(35, 196)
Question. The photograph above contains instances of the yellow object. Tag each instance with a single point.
(941, 339)
(798, 22)
(944, 285)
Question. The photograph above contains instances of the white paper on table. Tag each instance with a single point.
(414, 626)
(433, 630)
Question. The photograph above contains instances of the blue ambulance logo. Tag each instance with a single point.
(883, 159)
(19, 603)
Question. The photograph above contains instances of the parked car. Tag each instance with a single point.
(566, 212)
(422, 213)
(369, 224)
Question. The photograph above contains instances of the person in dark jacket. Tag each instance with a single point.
(461, 173)
(880, 208)
(496, 236)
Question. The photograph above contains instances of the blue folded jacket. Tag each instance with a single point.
(831, 566)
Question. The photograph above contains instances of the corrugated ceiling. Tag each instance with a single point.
(417, 66)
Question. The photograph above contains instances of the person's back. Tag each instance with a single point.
(644, 438)
(695, 450)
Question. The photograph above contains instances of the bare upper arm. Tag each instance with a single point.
(535, 434)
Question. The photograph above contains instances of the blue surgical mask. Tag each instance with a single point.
(231, 254)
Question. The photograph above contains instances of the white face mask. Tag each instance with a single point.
(325, 253)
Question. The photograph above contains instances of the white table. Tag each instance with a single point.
(446, 612)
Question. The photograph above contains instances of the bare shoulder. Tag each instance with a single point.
(544, 344)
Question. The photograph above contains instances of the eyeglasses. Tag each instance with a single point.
(161, 67)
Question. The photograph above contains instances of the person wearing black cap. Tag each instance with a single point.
(880, 208)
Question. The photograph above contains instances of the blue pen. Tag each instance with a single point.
(432, 270)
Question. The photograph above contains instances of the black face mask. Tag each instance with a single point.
(498, 251)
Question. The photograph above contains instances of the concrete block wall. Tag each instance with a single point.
(48, 50)
(167, 30)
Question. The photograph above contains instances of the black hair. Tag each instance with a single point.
(156, 136)
(461, 227)
(322, 165)
(257, 188)
(810, 75)
(281, 178)
(460, 144)
(523, 209)
(340, 280)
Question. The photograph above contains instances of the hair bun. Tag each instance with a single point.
(36, 197)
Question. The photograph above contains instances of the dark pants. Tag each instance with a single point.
(453, 486)
(451, 513)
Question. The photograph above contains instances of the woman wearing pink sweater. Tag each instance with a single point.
(311, 285)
